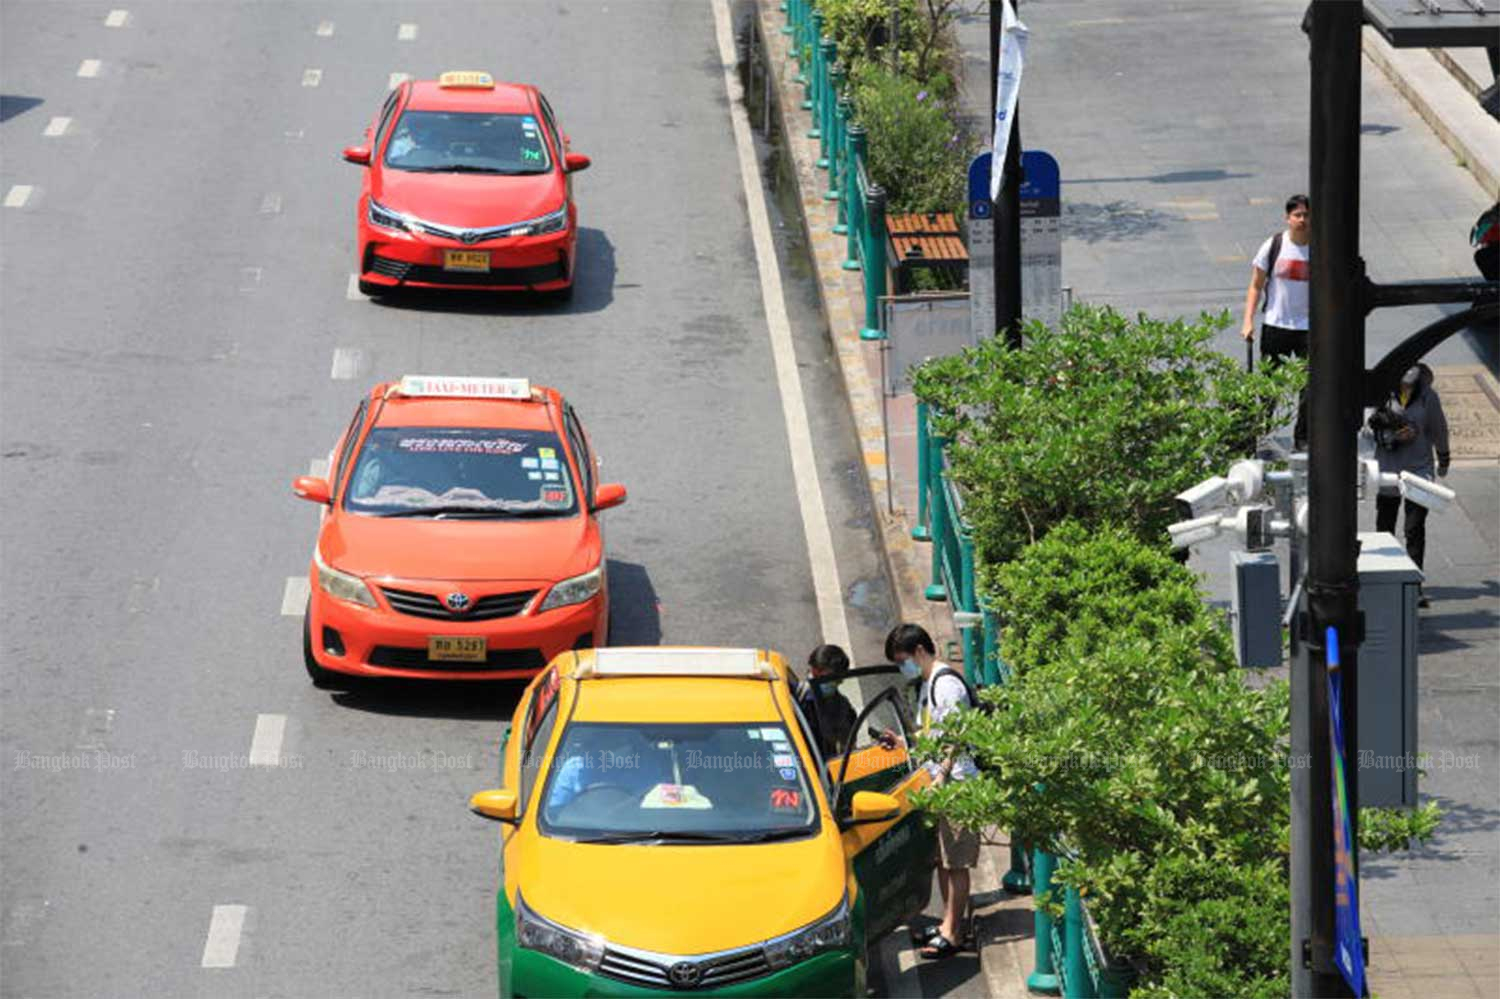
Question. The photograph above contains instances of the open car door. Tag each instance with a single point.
(893, 858)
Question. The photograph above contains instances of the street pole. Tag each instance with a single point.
(1331, 594)
(1007, 208)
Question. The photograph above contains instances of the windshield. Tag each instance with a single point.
(476, 472)
(677, 782)
(467, 142)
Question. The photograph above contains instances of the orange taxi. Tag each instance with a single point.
(460, 536)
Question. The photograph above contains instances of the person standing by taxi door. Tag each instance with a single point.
(827, 710)
(943, 691)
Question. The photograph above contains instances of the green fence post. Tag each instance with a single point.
(874, 258)
(1075, 970)
(854, 214)
(920, 531)
(1043, 977)
(838, 151)
(937, 505)
(791, 7)
(825, 105)
(973, 638)
(811, 30)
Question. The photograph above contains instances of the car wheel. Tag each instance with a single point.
(323, 679)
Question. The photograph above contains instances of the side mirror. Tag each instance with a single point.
(574, 162)
(310, 487)
(608, 494)
(499, 804)
(359, 155)
(872, 806)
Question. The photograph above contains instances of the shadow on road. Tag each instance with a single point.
(634, 614)
(465, 700)
(12, 105)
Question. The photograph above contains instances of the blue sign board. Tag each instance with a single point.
(979, 187)
(1348, 948)
(1041, 185)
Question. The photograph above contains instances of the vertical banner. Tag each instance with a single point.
(1348, 948)
(1007, 88)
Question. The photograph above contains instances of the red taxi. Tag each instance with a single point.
(468, 184)
(460, 536)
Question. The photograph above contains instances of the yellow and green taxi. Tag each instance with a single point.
(670, 826)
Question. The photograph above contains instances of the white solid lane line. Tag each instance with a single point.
(312, 77)
(825, 570)
(294, 597)
(346, 363)
(325, 29)
(223, 944)
(89, 68)
(18, 195)
(351, 291)
(265, 744)
(406, 33)
(116, 18)
(56, 127)
(396, 79)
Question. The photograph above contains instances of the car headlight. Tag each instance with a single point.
(382, 216)
(556, 222)
(575, 590)
(833, 932)
(583, 951)
(342, 585)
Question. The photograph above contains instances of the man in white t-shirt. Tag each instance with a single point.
(943, 691)
(1280, 270)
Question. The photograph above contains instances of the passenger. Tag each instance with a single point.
(827, 710)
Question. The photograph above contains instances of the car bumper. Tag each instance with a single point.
(534, 975)
(381, 642)
(399, 260)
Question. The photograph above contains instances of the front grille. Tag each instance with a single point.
(651, 970)
(390, 268)
(485, 608)
(397, 657)
(515, 276)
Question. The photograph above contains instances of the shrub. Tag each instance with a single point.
(916, 149)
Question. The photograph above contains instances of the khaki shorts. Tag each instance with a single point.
(957, 847)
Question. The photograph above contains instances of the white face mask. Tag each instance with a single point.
(909, 668)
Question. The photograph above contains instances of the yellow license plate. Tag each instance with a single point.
(456, 648)
(466, 260)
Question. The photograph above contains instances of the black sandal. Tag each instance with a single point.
(920, 935)
(938, 948)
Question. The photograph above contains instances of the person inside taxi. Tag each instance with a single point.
(942, 692)
(619, 758)
(828, 712)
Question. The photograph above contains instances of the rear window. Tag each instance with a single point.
(412, 471)
(467, 142)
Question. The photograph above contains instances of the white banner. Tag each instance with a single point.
(1007, 88)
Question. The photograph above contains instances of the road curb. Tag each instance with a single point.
(1448, 108)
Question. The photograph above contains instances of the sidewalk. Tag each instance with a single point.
(1164, 203)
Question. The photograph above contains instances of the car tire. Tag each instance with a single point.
(323, 679)
(561, 296)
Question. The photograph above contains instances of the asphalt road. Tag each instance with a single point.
(175, 303)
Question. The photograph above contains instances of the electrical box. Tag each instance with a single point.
(1257, 609)
(1388, 592)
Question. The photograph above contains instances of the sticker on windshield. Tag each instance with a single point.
(754, 733)
(554, 495)
(529, 463)
(781, 747)
(534, 476)
(461, 445)
(772, 733)
(675, 796)
(784, 760)
(546, 452)
(788, 773)
(550, 476)
(549, 463)
(786, 799)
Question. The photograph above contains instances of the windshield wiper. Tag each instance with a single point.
(658, 834)
(472, 513)
(768, 835)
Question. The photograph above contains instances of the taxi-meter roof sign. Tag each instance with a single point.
(473, 79)
(454, 387)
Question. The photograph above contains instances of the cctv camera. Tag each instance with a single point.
(1186, 533)
(1425, 492)
(1205, 496)
(1246, 480)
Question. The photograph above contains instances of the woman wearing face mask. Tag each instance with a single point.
(827, 711)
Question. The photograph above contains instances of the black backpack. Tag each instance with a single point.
(984, 707)
(1271, 266)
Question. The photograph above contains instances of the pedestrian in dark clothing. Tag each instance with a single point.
(1280, 270)
(1409, 426)
(1485, 238)
(826, 709)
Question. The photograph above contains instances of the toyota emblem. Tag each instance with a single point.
(684, 974)
(457, 601)
(469, 236)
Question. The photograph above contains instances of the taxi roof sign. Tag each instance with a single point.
(469, 78)
(457, 387)
(656, 661)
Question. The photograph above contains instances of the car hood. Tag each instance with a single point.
(415, 548)
(654, 897)
(468, 200)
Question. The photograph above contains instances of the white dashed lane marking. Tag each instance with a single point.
(222, 947)
(56, 127)
(249, 278)
(347, 362)
(116, 18)
(294, 597)
(89, 68)
(18, 195)
(325, 29)
(406, 33)
(270, 204)
(396, 79)
(265, 744)
(352, 292)
(312, 77)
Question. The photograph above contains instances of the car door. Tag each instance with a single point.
(892, 859)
